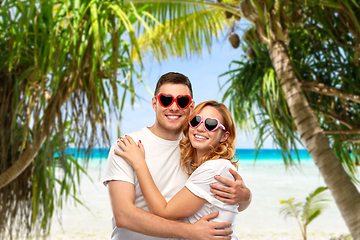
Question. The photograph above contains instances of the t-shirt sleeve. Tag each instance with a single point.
(199, 182)
(117, 168)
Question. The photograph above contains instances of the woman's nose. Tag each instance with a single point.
(201, 127)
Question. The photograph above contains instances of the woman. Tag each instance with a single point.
(207, 149)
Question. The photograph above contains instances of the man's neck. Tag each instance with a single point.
(165, 134)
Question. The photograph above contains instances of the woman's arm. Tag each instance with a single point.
(234, 191)
(182, 205)
(128, 216)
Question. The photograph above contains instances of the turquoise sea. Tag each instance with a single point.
(244, 154)
(269, 179)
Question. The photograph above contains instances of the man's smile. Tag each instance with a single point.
(174, 117)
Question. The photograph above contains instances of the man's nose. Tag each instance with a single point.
(174, 106)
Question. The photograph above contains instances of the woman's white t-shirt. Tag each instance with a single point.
(199, 184)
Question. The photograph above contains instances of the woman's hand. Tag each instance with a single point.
(132, 153)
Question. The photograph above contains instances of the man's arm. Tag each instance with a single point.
(122, 196)
(234, 192)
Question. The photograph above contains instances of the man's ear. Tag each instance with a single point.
(153, 103)
(225, 136)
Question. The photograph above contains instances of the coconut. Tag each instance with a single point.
(298, 15)
(228, 15)
(248, 35)
(246, 8)
(250, 53)
(234, 40)
(251, 35)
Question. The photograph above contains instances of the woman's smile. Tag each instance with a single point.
(200, 137)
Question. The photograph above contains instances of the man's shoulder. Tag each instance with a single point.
(141, 132)
(136, 135)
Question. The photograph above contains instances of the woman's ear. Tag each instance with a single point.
(225, 136)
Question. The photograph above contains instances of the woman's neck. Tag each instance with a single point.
(198, 158)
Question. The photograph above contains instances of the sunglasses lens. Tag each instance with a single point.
(183, 101)
(166, 100)
(211, 124)
(195, 121)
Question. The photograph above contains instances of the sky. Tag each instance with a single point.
(203, 72)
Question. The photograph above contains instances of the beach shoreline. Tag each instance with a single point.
(268, 181)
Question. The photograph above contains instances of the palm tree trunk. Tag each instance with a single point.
(346, 195)
(32, 150)
(57, 100)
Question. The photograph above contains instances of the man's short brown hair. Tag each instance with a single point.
(174, 78)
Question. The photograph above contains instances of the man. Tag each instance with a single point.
(132, 220)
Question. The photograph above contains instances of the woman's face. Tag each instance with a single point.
(201, 139)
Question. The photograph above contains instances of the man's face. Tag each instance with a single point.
(172, 117)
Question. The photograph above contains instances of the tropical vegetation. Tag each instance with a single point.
(57, 77)
(305, 212)
(65, 66)
(300, 83)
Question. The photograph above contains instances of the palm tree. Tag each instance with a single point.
(272, 23)
(64, 67)
(67, 56)
(305, 212)
(54, 57)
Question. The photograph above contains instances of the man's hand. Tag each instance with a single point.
(205, 230)
(234, 192)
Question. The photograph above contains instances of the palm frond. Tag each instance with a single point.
(257, 102)
(59, 79)
(187, 29)
(315, 203)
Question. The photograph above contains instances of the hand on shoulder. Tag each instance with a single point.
(132, 153)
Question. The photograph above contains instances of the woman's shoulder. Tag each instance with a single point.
(210, 168)
(217, 162)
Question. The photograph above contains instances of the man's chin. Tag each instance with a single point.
(175, 129)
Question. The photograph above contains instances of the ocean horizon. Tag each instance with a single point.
(269, 179)
(243, 153)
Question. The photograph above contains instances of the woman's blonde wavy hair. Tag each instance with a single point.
(224, 150)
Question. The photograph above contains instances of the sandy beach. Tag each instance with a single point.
(268, 181)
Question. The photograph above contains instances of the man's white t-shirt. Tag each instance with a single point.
(163, 159)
